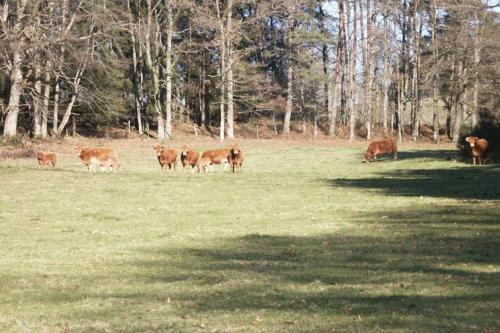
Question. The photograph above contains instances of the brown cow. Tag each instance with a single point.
(479, 148)
(189, 157)
(167, 157)
(217, 156)
(92, 157)
(112, 162)
(381, 147)
(204, 165)
(236, 157)
(46, 159)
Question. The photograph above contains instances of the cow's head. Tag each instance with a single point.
(368, 156)
(158, 149)
(185, 149)
(472, 140)
(235, 150)
(39, 156)
(79, 151)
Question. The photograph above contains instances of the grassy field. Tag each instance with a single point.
(306, 239)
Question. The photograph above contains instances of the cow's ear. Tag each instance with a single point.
(467, 139)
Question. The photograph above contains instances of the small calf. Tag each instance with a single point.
(479, 148)
(112, 162)
(381, 147)
(236, 157)
(46, 159)
(167, 157)
(189, 157)
(204, 165)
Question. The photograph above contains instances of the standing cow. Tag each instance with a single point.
(94, 157)
(479, 148)
(217, 156)
(167, 157)
(46, 159)
(189, 157)
(236, 157)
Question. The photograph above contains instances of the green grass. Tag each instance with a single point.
(306, 239)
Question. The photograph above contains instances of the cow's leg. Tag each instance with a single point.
(474, 160)
(395, 155)
(225, 165)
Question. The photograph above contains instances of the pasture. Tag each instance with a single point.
(306, 239)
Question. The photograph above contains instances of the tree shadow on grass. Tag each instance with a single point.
(410, 269)
(457, 183)
(422, 154)
(427, 154)
(437, 278)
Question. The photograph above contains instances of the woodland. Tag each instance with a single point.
(346, 68)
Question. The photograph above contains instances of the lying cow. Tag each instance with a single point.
(217, 156)
(46, 159)
(236, 157)
(479, 148)
(93, 157)
(380, 148)
(167, 157)
(189, 157)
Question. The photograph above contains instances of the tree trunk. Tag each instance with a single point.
(76, 86)
(37, 105)
(55, 110)
(136, 74)
(344, 62)
(154, 67)
(222, 97)
(400, 100)
(417, 32)
(329, 85)
(289, 97)
(222, 70)
(46, 99)
(16, 78)
(477, 59)
(352, 78)
(168, 70)
(229, 80)
(385, 107)
(435, 91)
(333, 93)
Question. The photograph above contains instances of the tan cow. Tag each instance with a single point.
(217, 156)
(479, 148)
(189, 157)
(45, 158)
(167, 157)
(93, 157)
(380, 148)
(236, 157)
